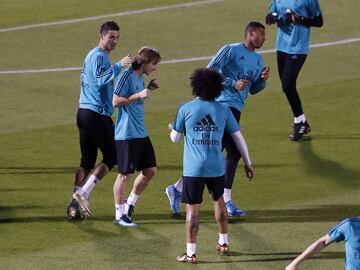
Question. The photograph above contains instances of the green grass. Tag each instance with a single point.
(300, 190)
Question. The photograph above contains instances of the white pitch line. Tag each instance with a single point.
(175, 61)
(339, 42)
(120, 14)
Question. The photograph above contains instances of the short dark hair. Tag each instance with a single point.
(206, 83)
(252, 26)
(145, 55)
(107, 26)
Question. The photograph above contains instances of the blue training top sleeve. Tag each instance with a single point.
(272, 7)
(222, 57)
(258, 84)
(103, 75)
(339, 232)
(314, 8)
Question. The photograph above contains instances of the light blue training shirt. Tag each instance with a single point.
(349, 231)
(294, 38)
(236, 62)
(204, 123)
(96, 82)
(130, 118)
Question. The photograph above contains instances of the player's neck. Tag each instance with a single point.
(249, 46)
(139, 72)
(101, 46)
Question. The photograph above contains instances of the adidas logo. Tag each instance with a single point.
(206, 124)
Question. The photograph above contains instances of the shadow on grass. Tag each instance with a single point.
(171, 168)
(62, 170)
(337, 137)
(327, 168)
(17, 189)
(274, 257)
(276, 165)
(322, 213)
(36, 170)
(4, 208)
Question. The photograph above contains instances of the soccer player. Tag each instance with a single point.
(294, 19)
(244, 73)
(205, 121)
(94, 121)
(349, 231)
(133, 146)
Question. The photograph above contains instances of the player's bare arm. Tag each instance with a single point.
(123, 101)
(240, 143)
(318, 245)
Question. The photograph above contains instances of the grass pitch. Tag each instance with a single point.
(300, 190)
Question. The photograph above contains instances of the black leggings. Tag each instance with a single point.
(289, 66)
(233, 156)
(96, 132)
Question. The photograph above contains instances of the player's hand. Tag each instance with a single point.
(145, 93)
(171, 125)
(126, 61)
(265, 74)
(297, 19)
(241, 84)
(153, 84)
(249, 171)
(287, 17)
(271, 18)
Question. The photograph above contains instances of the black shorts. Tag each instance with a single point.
(193, 188)
(96, 132)
(134, 154)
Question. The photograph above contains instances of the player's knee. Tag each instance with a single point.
(221, 216)
(192, 219)
(124, 177)
(150, 172)
(288, 86)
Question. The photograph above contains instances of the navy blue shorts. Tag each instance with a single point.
(193, 188)
(134, 154)
(96, 132)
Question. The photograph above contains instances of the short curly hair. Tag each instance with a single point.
(206, 83)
